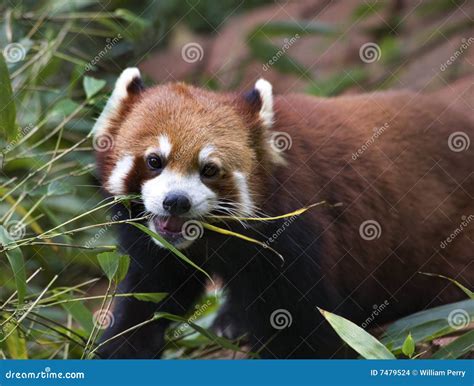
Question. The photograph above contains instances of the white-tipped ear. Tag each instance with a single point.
(129, 82)
(264, 89)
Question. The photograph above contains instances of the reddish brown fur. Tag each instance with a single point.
(408, 180)
(396, 182)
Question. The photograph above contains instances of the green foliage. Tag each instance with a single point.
(115, 266)
(356, 337)
(457, 348)
(8, 127)
(171, 247)
(408, 347)
(50, 98)
(338, 83)
(17, 263)
(92, 86)
(425, 325)
(259, 41)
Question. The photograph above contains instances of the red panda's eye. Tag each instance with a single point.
(154, 162)
(209, 170)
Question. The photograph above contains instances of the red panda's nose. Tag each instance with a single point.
(176, 203)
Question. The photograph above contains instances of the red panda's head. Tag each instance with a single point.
(188, 152)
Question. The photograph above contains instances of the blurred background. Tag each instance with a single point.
(60, 60)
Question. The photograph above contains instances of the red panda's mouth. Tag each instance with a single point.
(170, 226)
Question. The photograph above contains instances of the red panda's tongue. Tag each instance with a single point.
(172, 224)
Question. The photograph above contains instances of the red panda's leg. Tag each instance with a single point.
(165, 274)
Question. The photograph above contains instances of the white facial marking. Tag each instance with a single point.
(155, 190)
(165, 145)
(245, 199)
(116, 182)
(205, 153)
(115, 100)
(264, 88)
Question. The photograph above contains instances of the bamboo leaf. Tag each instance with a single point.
(459, 347)
(8, 127)
(15, 258)
(240, 236)
(224, 343)
(171, 247)
(282, 216)
(408, 347)
(356, 337)
(80, 313)
(114, 265)
(467, 291)
(92, 86)
(154, 297)
(425, 325)
(16, 345)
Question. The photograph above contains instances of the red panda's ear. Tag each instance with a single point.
(258, 112)
(261, 99)
(127, 87)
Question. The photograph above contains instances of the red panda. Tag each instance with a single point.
(390, 159)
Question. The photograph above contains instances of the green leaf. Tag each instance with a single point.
(122, 269)
(15, 258)
(425, 325)
(224, 343)
(80, 313)
(59, 188)
(92, 86)
(339, 82)
(154, 297)
(16, 345)
(64, 107)
(459, 347)
(356, 337)
(8, 127)
(171, 247)
(467, 291)
(266, 51)
(115, 266)
(408, 347)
